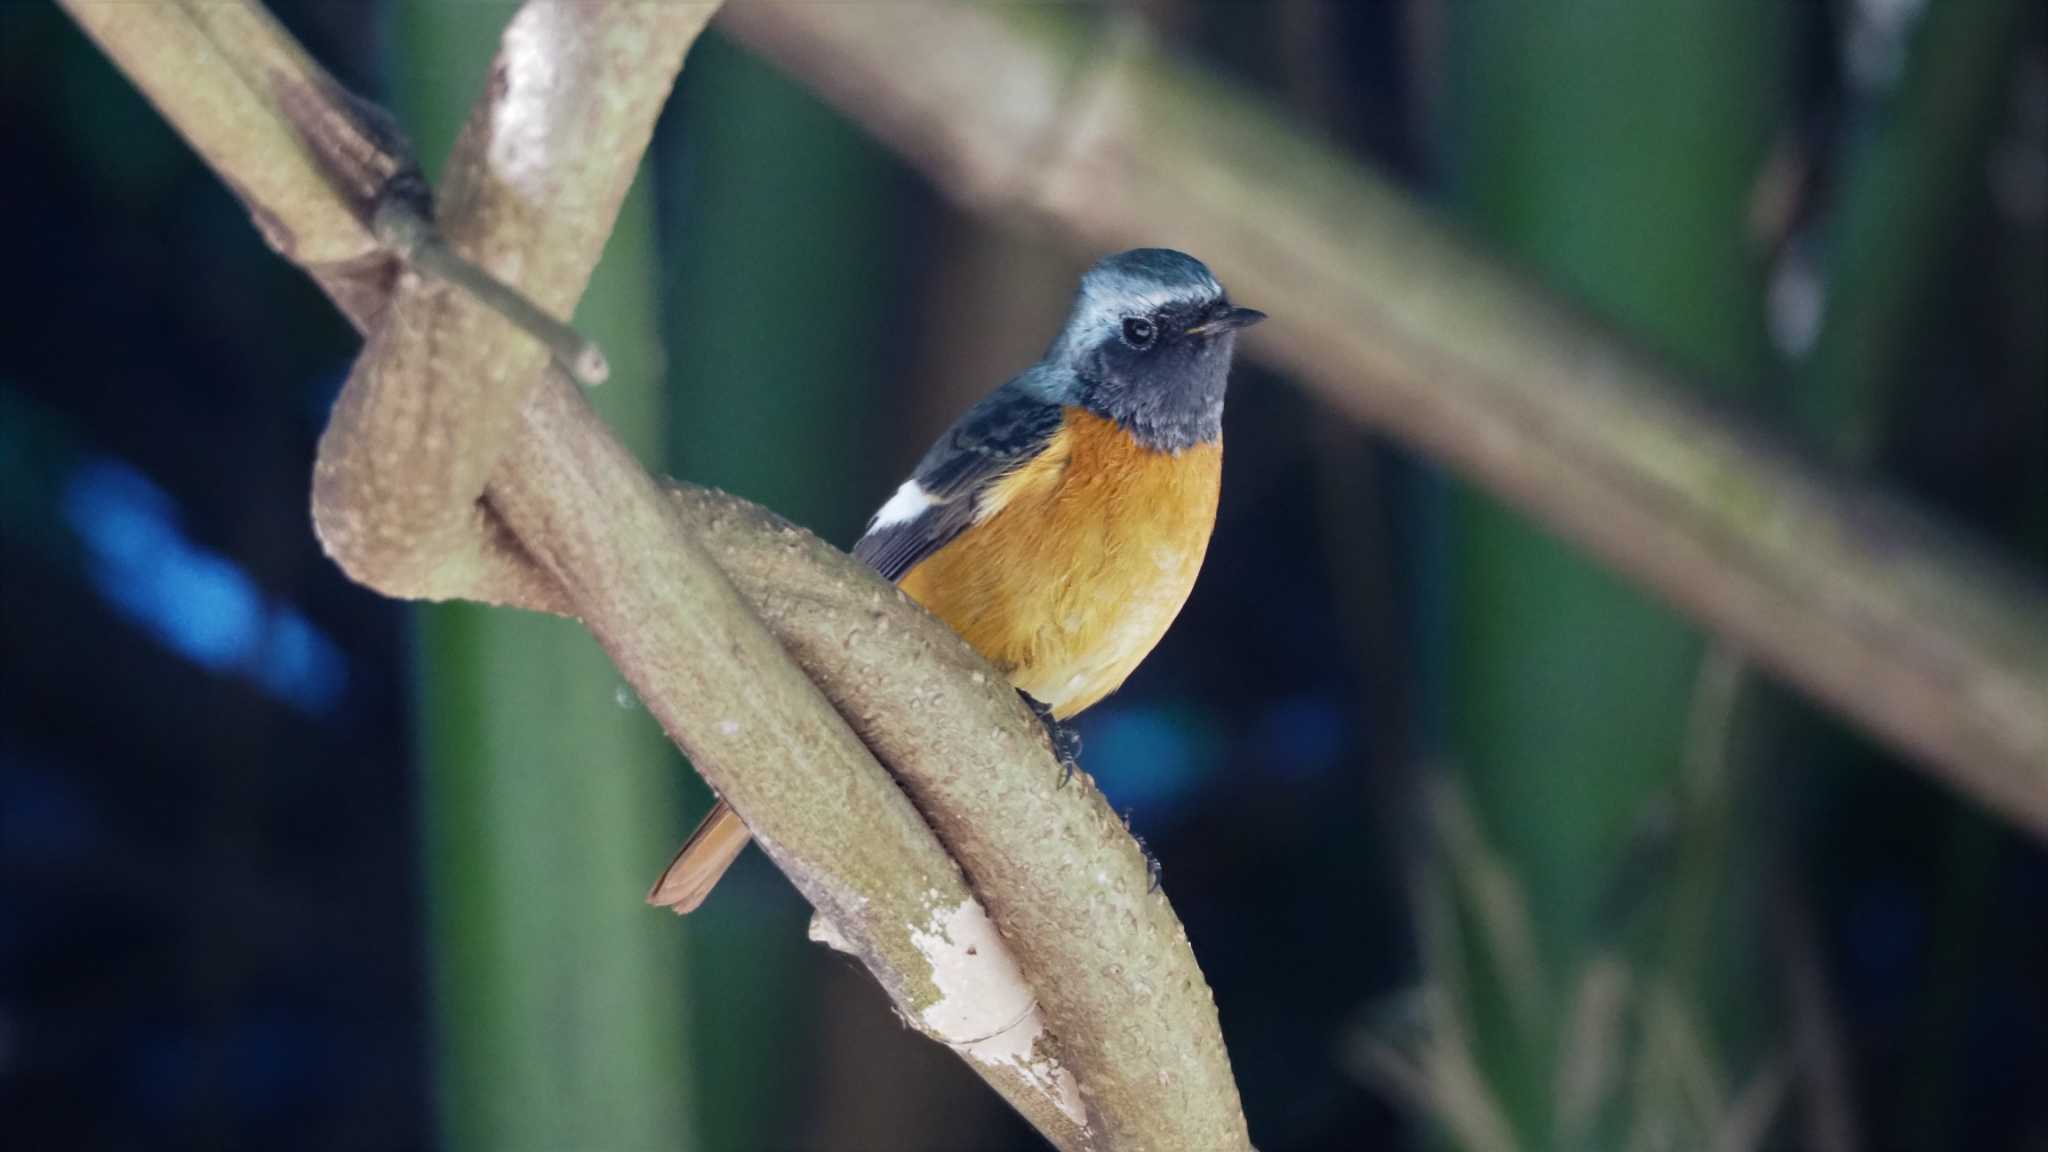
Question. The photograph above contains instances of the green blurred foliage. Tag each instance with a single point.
(1612, 147)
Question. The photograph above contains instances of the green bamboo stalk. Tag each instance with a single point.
(1612, 147)
(550, 797)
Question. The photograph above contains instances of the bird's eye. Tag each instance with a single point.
(1139, 332)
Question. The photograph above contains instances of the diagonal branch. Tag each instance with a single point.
(1107, 1036)
(1860, 601)
(305, 157)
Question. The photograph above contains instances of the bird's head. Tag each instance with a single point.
(1148, 345)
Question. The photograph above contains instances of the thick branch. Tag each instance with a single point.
(1910, 632)
(763, 736)
(441, 394)
(1139, 1061)
(1069, 888)
(306, 158)
(951, 730)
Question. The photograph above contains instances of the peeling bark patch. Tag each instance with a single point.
(825, 932)
(985, 1010)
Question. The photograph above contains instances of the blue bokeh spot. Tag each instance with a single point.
(1148, 760)
(195, 601)
(1299, 737)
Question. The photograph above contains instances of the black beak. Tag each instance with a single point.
(1228, 320)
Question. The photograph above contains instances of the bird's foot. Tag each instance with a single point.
(1151, 862)
(1065, 740)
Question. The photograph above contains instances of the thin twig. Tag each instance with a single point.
(403, 225)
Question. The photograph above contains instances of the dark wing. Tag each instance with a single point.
(994, 438)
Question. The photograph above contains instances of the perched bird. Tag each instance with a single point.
(1059, 524)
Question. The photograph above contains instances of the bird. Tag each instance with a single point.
(1059, 524)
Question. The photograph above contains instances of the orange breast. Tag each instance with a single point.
(1079, 561)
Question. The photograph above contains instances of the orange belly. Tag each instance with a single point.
(1079, 561)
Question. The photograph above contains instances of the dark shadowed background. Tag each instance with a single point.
(285, 864)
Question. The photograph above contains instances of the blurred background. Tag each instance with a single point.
(1478, 846)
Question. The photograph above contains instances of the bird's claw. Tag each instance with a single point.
(1152, 869)
(1065, 741)
(1066, 747)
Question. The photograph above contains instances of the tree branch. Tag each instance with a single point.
(306, 158)
(443, 408)
(1914, 634)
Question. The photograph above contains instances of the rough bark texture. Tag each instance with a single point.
(875, 654)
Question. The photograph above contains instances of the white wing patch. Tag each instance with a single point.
(909, 502)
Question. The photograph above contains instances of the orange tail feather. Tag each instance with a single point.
(711, 849)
